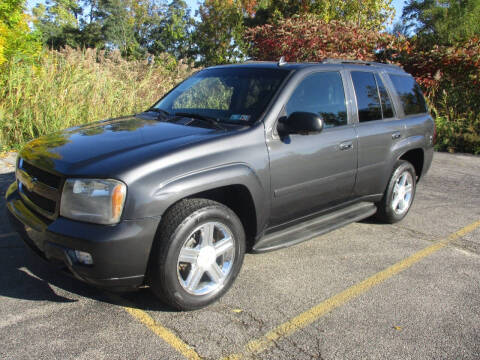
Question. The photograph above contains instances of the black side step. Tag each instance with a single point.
(314, 227)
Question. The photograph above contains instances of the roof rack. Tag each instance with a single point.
(357, 62)
(281, 61)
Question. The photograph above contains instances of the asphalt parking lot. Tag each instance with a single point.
(368, 290)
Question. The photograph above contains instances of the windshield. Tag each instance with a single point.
(234, 95)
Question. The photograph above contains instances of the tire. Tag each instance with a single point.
(391, 210)
(188, 267)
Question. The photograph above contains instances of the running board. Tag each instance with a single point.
(314, 227)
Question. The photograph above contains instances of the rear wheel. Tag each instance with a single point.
(197, 255)
(399, 195)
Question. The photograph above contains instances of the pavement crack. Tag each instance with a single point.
(414, 232)
(463, 247)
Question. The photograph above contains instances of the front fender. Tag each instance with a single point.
(165, 194)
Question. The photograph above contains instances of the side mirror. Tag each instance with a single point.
(302, 123)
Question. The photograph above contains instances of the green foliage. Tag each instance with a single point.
(131, 26)
(17, 43)
(174, 32)
(218, 35)
(74, 87)
(443, 22)
(369, 13)
(58, 23)
(458, 136)
(450, 78)
(118, 20)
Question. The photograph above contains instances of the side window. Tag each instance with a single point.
(387, 109)
(410, 94)
(321, 93)
(368, 101)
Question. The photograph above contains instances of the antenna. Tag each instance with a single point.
(282, 61)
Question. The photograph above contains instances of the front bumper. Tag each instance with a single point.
(120, 252)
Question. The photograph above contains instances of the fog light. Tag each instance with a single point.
(83, 257)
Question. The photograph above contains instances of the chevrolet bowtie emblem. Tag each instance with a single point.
(30, 183)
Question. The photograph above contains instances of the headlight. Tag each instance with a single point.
(93, 200)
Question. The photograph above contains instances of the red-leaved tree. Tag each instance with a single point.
(449, 76)
(309, 39)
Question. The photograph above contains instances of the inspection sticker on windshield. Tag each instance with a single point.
(239, 117)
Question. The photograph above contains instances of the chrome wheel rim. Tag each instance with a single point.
(206, 258)
(402, 193)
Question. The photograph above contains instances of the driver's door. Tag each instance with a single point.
(316, 171)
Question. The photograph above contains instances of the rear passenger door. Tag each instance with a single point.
(378, 129)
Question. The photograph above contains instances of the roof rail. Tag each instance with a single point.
(357, 62)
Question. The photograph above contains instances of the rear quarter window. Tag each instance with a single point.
(410, 94)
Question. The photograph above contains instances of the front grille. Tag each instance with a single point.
(39, 189)
(40, 201)
(43, 176)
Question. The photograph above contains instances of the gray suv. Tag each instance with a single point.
(249, 157)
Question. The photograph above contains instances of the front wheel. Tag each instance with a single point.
(399, 195)
(197, 255)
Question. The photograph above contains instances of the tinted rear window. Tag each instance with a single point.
(368, 101)
(410, 94)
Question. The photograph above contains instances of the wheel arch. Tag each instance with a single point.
(238, 198)
(235, 186)
(416, 157)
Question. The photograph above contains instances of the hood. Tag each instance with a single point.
(69, 151)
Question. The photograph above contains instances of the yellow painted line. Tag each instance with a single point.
(166, 335)
(308, 317)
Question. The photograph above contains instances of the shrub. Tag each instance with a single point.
(450, 78)
(72, 87)
(307, 38)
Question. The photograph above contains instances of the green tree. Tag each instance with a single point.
(61, 23)
(16, 40)
(365, 13)
(135, 27)
(218, 35)
(117, 19)
(172, 32)
(57, 21)
(443, 22)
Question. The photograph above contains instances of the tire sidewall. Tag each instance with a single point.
(171, 283)
(400, 168)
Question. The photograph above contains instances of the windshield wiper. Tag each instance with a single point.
(208, 119)
(160, 111)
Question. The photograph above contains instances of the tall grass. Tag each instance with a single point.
(74, 87)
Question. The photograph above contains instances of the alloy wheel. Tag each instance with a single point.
(206, 258)
(402, 193)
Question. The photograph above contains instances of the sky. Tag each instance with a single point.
(398, 4)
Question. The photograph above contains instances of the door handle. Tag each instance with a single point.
(346, 146)
(396, 135)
